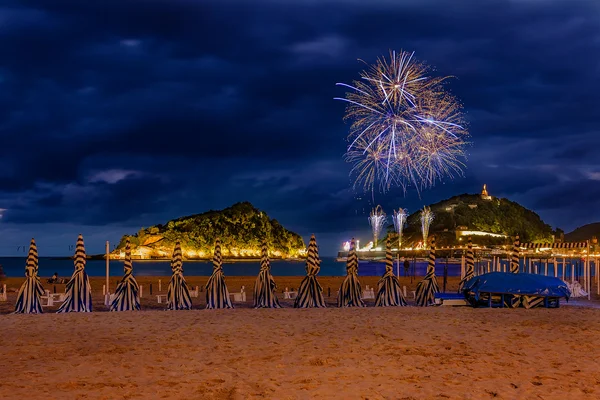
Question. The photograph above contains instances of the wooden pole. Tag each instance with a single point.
(107, 298)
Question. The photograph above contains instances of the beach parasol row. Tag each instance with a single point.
(78, 298)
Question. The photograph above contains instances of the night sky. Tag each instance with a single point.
(121, 114)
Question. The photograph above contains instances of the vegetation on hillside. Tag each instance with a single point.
(471, 212)
(241, 228)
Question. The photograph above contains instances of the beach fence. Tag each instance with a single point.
(584, 268)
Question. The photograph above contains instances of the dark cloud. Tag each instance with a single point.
(119, 114)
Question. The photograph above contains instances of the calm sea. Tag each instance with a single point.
(15, 267)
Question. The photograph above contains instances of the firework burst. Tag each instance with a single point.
(426, 220)
(406, 128)
(377, 221)
(399, 222)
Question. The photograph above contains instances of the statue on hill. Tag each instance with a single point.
(484, 193)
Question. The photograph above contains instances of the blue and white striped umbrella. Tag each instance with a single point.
(78, 290)
(127, 294)
(428, 287)
(515, 300)
(389, 292)
(217, 295)
(178, 294)
(514, 261)
(350, 293)
(469, 264)
(310, 292)
(264, 288)
(28, 299)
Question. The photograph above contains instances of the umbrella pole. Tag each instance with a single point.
(107, 296)
(588, 273)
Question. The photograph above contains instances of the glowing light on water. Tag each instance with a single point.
(426, 219)
(377, 220)
(399, 221)
(407, 129)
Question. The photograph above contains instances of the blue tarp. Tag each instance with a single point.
(517, 284)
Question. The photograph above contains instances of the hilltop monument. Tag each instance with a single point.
(484, 193)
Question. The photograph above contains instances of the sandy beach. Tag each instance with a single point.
(371, 353)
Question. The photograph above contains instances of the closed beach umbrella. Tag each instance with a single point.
(428, 287)
(389, 292)
(350, 294)
(78, 290)
(470, 264)
(178, 295)
(28, 299)
(217, 295)
(127, 295)
(515, 300)
(264, 288)
(310, 292)
(514, 261)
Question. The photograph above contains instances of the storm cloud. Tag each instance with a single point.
(121, 114)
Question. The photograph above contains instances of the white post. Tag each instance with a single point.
(597, 277)
(159, 285)
(563, 268)
(546, 267)
(107, 295)
(404, 290)
(103, 290)
(141, 291)
(588, 269)
(572, 272)
(462, 267)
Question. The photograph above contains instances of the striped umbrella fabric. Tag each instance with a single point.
(390, 292)
(127, 294)
(514, 261)
(514, 301)
(264, 288)
(561, 245)
(178, 294)
(350, 293)
(217, 295)
(79, 291)
(29, 296)
(310, 292)
(428, 287)
(470, 266)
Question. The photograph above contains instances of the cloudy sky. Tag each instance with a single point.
(121, 114)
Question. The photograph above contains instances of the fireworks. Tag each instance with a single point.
(426, 219)
(377, 220)
(399, 221)
(406, 129)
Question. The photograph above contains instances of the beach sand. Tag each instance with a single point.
(370, 353)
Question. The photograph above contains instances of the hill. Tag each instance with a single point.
(474, 213)
(583, 233)
(240, 227)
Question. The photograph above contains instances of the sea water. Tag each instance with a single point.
(15, 267)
